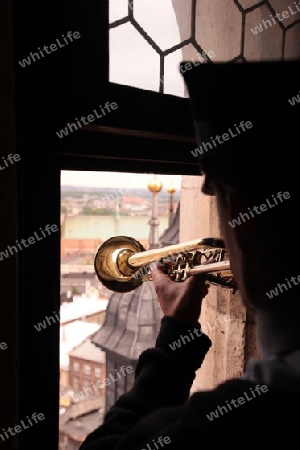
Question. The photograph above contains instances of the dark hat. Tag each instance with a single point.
(231, 90)
(246, 116)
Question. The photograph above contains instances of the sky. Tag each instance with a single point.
(115, 179)
(133, 61)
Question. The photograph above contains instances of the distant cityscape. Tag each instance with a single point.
(89, 378)
(107, 201)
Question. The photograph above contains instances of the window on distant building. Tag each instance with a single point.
(87, 369)
(97, 372)
(75, 366)
(86, 383)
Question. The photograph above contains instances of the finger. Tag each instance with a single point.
(198, 282)
(158, 274)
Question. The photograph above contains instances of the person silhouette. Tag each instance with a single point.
(245, 173)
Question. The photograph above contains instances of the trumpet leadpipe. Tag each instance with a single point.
(148, 256)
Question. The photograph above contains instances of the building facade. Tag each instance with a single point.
(87, 370)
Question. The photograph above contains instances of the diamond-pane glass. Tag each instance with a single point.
(117, 10)
(149, 38)
(139, 42)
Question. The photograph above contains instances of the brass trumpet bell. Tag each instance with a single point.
(122, 263)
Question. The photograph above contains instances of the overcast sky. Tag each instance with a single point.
(115, 179)
(133, 61)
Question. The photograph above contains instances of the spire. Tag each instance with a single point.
(154, 187)
(171, 190)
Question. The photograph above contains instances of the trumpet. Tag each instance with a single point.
(122, 263)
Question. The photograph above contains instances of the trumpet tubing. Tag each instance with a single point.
(122, 263)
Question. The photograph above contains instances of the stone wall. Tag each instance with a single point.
(225, 28)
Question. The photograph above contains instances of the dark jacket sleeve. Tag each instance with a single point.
(163, 378)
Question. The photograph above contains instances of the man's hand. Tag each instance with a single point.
(181, 300)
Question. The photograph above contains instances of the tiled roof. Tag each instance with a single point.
(132, 322)
(87, 350)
